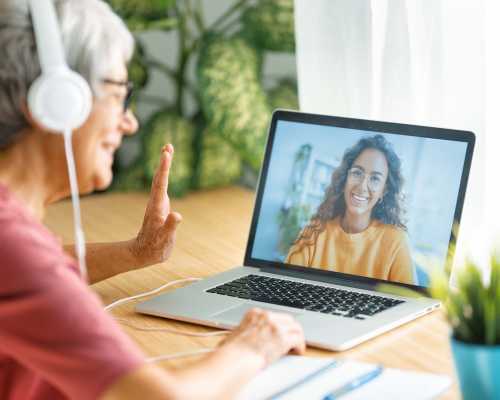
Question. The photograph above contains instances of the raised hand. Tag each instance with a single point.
(155, 240)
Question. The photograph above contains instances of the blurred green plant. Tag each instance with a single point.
(471, 302)
(284, 95)
(219, 163)
(227, 131)
(473, 307)
(138, 69)
(232, 97)
(290, 222)
(270, 24)
(143, 15)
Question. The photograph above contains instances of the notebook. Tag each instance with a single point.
(311, 378)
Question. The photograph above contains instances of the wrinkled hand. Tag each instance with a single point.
(155, 240)
(268, 334)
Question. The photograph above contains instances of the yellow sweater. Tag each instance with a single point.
(381, 251)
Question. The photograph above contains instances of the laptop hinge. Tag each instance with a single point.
(320, 278)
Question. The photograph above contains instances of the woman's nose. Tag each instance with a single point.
(129, 124)
(364, 183)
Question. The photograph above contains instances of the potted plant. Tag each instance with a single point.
(471, 302)
(472, 307)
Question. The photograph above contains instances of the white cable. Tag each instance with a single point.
(75, 198)
(138, 296)
(171, 330)
(80, 252)
(165, 357)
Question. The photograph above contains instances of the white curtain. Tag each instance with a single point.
(426, 62)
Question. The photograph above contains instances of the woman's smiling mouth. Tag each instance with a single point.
(358, 199)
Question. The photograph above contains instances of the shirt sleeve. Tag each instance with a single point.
(402, 265)
(52, 323)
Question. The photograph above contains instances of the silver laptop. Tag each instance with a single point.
(343, 205)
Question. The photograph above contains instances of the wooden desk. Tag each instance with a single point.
(212, 238)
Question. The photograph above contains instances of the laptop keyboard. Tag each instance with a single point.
(306, 296)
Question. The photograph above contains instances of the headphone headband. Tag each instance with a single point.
(48, 40)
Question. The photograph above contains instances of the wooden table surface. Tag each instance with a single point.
(212, 238)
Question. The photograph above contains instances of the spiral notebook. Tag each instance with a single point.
(311, 378)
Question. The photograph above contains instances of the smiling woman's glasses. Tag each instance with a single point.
(357, 175)
(130, 90)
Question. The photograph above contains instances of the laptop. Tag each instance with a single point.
(343, 205)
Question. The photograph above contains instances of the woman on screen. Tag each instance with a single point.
(358, 228)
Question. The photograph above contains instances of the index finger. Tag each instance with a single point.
(158, 197)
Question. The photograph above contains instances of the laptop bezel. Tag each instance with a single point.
(358, 124)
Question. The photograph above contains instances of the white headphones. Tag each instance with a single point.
(59, 99)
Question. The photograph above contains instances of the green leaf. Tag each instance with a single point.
(231, 95)
(219, 163)
(145, 9)
(284, 95)
(138, 24)
(473, 306)
(137, 70)
(270, 24)
(131, 179)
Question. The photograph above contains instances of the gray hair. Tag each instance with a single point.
(95, 41)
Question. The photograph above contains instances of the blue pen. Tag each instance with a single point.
(354, 384)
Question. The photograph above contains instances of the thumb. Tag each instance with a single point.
(173, 219)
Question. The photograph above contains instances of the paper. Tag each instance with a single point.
(391, 384)
(398, 384)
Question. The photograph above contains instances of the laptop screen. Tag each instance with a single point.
(360, 202)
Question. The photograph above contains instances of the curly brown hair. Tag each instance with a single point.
(389, 211)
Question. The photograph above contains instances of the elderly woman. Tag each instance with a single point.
(56, 341)
(358, 228)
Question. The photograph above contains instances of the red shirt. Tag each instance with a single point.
(56, 341)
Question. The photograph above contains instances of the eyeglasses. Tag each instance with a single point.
(130, 90)
(357, 175)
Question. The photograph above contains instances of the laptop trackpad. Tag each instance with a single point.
(234, 315)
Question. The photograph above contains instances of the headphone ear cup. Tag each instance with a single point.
(60, 100)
